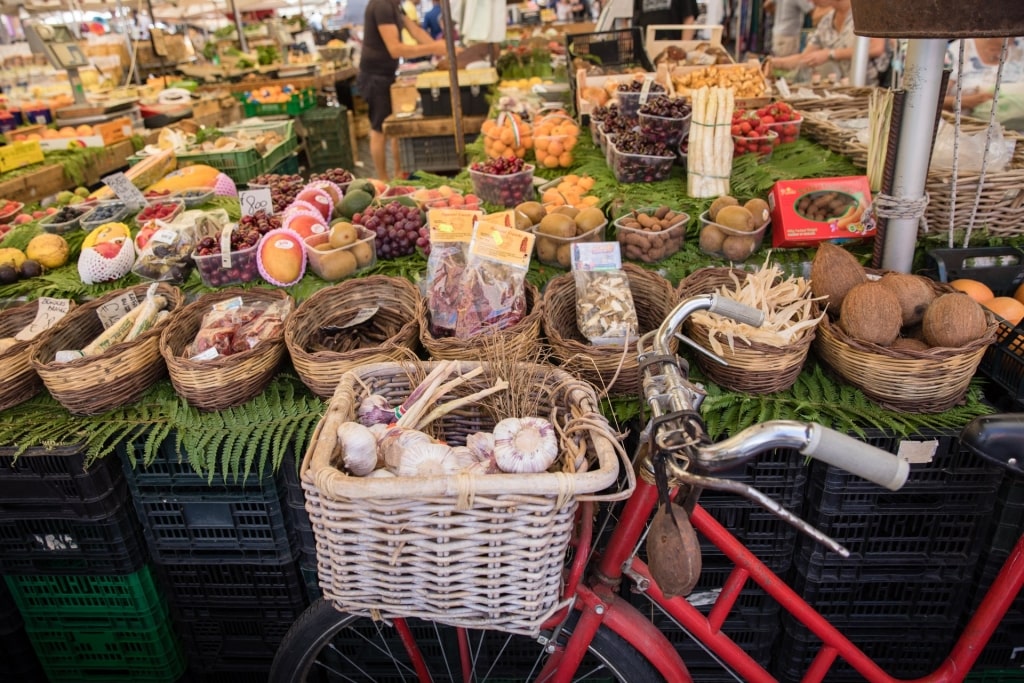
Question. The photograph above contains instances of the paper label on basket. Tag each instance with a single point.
(225, 245)
(47, 314)
(125, 190)
(66, 356)
(112, 311)
(502, 244)
(163, 236)
(208, 354)
(452, 225)
(596, 256)
(361, 316)
(917, 452)
(645, 90)
(254, 201)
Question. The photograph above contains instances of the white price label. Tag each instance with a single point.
(114, 310)
(48, 312)
(254, 201)
(596, 256)
(125, 190)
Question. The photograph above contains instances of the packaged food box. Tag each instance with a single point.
(806, 212)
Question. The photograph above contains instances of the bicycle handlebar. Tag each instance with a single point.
(857, 457)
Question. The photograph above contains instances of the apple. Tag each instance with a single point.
(50, 210)
(38, 214)
(23, 218)
(108, 250)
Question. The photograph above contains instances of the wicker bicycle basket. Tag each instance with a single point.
(228, 380)
(929, 381)
(119, 375)
(394, 327)
(754, 367)
(522, 339)
(477, 551)
(20, 380)
(613, 369)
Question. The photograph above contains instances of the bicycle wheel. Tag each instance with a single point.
(328, 646)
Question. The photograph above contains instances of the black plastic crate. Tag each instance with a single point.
(326, 132)
(312, 580)
(298, 517)
(239, 528)
(171, 471)
(995, 675)
(1005, 650)
(431, 152)
(1006, 527)
(107, 545)
(234, 585)
(900, 652)
(54, 482)
(18, 660)
(224, 636)
(438, 101)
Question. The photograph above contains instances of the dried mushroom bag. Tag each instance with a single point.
(605, 314)
(167, 256)
(492, 292)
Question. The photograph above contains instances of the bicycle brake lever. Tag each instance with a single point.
(697, 347)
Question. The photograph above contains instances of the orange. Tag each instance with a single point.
(1019, 294)
(978, 291)
(551, 161)
(1007, 308)
(84, 129)
(565, 159)
(555, 147)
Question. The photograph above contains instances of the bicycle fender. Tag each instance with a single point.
(637, 630)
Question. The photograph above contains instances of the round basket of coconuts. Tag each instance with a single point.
(908, 342)
(733, 231)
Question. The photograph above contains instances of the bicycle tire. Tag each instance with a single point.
(313, 645)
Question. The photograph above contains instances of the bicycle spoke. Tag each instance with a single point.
(444, 652)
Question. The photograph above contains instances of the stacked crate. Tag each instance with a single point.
(900, 595)
(328, 143)
(74, 561)
(755, 619)
(227, 555)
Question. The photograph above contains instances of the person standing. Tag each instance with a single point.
(981, 63)
(668, 12)
(788, 23)
(432, 21)
(382, 48)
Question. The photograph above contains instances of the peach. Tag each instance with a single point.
(304, 224)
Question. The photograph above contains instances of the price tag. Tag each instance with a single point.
(112, 311)
(48, 313)
(254, 201)
(451, 225)
(225, 246)
(645, 90)
(502, 244)
(125, 190)
(596, 256)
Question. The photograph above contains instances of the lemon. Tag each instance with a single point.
(51, 251)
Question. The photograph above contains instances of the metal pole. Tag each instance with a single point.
(859, 62)
(453, 74)
(922, 82)
(243, 44)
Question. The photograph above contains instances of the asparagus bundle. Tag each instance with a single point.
(709, 156)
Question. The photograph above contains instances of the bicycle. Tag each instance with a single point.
(598, 634)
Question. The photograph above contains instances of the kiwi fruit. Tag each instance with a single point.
(535, 211)
(566, 210)
(588, 219)
(737, 248)
(711, 239)
(557, 225)
(342, 234)
(564, 255)
(719, 204)
(953, 321)
(913, 292)
(737, 218)
(523, 221)
(338, 265)
(871, 313)
(759, 209)
(547, 250)
(363, 251)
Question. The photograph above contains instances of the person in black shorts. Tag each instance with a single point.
(382, 48)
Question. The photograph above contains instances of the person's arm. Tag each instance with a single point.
(968, 100)
(397, 49)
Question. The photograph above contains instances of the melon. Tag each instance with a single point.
(834, 272)
(953, 321)
(871, 313)
(281, 257)
(914, 293)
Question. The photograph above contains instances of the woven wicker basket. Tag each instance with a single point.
(523, 338)
(612, 369)
(20, 380)
(120, 375)
(929, 381)
(321, 369)
(483, 551)
(222, 382)
(754, 367)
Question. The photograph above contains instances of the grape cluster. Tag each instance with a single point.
(338, 176)
(500, 166)
(283, 188)
(261, 221)
(399, 228)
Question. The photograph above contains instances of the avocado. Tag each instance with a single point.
(354, 202)
(363, 186)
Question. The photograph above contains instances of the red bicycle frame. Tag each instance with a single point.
(599, 604)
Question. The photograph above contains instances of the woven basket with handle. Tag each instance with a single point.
(20, 380)
(478, 551)
(754, 367)
(228, 380)
(395, 300)
(612, 368)
(521, 339)
(120, 375)
(929, 381)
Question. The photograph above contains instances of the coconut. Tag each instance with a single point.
(953, 321)
(833, 272)
(871, 313)
(913, 292)
(908, 344)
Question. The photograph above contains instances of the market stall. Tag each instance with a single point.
(182, 341)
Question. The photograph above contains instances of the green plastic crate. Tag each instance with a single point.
(51, 596)
(300, 102)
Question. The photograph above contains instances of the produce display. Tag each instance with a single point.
(751, 135)
(342, 252)
(399, 228)
(503, 181)
(732, 231)
(554, 138)
(650, 235)
(220, 268)
(232, 327)
(569, 190)
(15, 265)
(108, 254)
(665, 120)
(66, 219)
(283, 188)
(605, 313)
(629, 95)
(637, 158)
(149, 313)
(745, 80)
(159, 211)
(564, 226)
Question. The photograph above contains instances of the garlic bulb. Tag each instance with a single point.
(485, 466)
(424, 460)
(462, 457)
(375, 409)
(525, 445)
(378, 430)
(481, 444)
(358, 448)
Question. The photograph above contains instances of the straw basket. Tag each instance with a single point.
(522, 340)
(229, 380)
(612, 369)
(20, 381)
(120, 375)
(754, 367)
(395, 321)
(930, 381)
(477, 551)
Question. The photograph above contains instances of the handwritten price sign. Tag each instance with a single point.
(254, 201)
